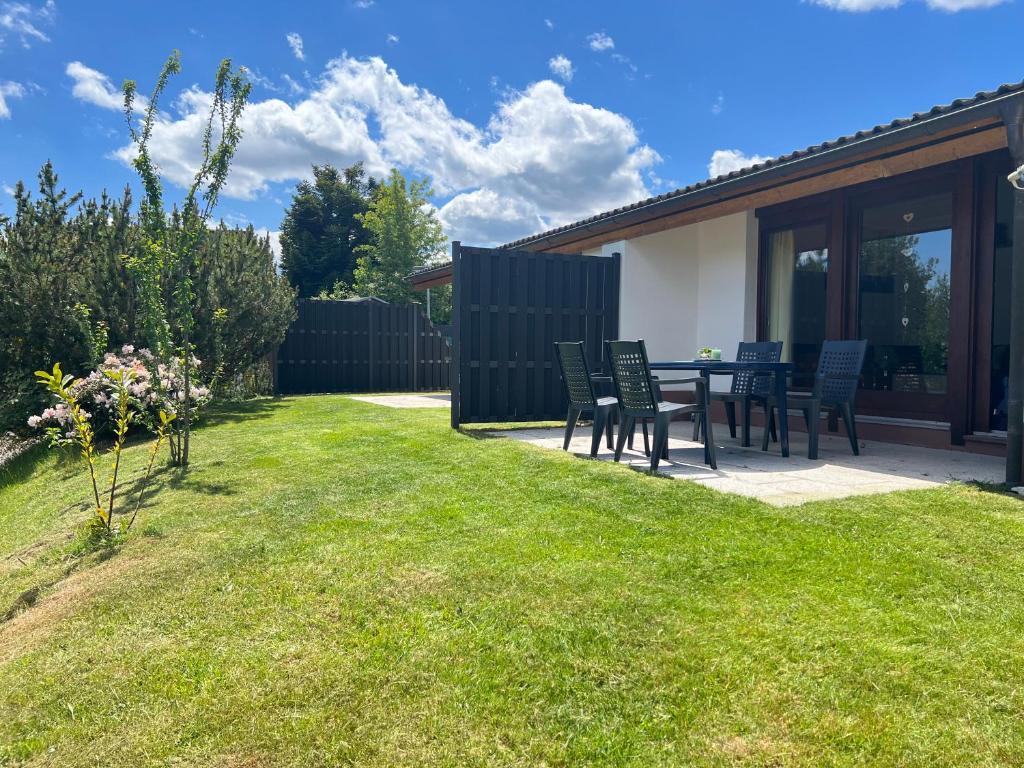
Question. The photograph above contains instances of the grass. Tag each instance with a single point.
(338, 583)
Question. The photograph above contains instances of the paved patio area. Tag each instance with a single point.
(425, 400)
(881, 467)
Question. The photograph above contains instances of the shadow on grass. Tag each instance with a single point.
(242, 410)
(23, 466)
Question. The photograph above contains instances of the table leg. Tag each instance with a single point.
(706, 375)
(780, 399)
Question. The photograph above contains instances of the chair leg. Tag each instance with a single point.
(813, 418)
(647, 439)
(851, 427)
(628, 424)
(746, 422)
(570, 426)
(730, 417)
(660, 438)
(610, 428)
(696, 428)
(709, 441)
(772, 429)
(600, 418)
(767, 426)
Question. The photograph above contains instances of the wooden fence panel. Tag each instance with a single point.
(362, 346)
(509, 308)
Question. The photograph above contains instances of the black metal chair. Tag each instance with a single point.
(638, 399)
(579, 388)
(835, 388)
(747, 386)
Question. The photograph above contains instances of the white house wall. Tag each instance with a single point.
(689, 287)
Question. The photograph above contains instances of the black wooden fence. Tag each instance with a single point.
(509, 307)
(362, 346)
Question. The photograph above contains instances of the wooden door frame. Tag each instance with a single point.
(970, 272)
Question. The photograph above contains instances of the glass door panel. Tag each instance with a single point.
(904, 296)
(796, 289)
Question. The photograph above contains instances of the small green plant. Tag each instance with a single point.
(116, 391)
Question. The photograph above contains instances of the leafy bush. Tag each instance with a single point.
(67, 293)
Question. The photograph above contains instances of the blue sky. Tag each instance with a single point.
(526, 115)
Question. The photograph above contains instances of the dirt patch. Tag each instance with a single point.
(241, 761)
(407, 583)
(31, 624)
(745, 748)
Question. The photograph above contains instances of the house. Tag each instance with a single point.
(902, 234)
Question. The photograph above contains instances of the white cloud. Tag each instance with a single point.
(9, 90)
(392, 39)
(363, 4)
(541, 160)
(719, 104)
(23, 21)
(8, 189)
(93, 86)
(549, 23)
(725, 161)
(861, 6)
(599, 41)
(953, 6)
(294, 87)
(295, 43)
(560, 66)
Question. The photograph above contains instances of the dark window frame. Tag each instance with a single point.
(841, 210)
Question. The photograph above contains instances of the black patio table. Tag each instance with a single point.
(707, 368)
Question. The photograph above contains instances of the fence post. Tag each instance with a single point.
(457, 291)
(414, 347)
(371, 352)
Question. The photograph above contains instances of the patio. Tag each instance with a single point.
(881, 467)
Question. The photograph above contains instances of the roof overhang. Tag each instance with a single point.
(431, 277)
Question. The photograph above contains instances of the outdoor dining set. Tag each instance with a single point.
(759, 377)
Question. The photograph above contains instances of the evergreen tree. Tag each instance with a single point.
(321, 232)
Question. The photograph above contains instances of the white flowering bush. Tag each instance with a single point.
(130, 387)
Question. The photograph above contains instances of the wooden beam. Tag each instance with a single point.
(1013, 116)
(886, 166)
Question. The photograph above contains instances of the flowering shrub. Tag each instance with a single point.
(129, 387)
(154, 386)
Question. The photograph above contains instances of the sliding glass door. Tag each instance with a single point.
(904, 260)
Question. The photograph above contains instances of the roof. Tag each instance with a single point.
(853, 140)
(429, 277)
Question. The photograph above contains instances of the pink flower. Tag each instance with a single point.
(33, 421)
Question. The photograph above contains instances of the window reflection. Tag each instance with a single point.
(904, 294)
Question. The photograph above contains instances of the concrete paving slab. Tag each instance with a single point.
(424, 400)
(837, 473)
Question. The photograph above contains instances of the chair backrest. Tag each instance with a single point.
(576, 374)
(750, 382)
(632, 376)
(839, 368)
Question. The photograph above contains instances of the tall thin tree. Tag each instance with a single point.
(176, 257)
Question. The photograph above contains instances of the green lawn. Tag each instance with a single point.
(338, 583)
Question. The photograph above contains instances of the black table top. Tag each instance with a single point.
(715, 366)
